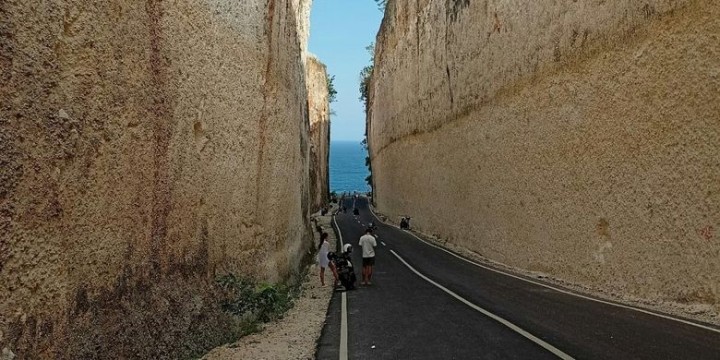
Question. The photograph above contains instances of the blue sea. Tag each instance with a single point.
(347, 167)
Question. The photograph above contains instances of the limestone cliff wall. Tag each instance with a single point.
(303, 24)
(146, 147)
(578, 139)
(319, 110)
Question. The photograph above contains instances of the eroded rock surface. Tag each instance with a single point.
(145, 148)
(319, 110)
(577, 139)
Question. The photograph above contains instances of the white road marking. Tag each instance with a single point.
(629, 307)
(343, 353)
(508, 324)
(339, 232)
(344, 329)
(383, 243)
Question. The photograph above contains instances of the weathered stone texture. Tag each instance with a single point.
(579, 139)
(303, 24)
(145, 148)
(319, 110)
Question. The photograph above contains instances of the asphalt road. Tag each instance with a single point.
(427, 303)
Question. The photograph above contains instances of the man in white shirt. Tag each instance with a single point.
(368, 244)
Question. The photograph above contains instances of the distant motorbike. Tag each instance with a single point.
(405, 223)
(372, 226)
(343, 265)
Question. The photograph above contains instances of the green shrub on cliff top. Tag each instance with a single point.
(381, 4)
(332, 92)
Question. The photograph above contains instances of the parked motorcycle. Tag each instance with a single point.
(343, 265)
(405, 223)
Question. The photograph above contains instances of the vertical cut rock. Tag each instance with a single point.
(578, 139)
(319, 108)
(146, 147)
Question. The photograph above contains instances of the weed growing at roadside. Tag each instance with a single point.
(256, 303)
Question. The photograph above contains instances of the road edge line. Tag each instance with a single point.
(567, 292)
(557, 352)
(343, 351)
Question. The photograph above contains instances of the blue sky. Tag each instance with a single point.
(339, 32)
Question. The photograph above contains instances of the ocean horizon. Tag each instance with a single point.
(347, 167)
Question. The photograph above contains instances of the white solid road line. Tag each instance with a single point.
(629, 307)
(339, 232)
(557, 352)
(344, 329)
(343, 353)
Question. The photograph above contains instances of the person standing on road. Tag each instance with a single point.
(368, 244)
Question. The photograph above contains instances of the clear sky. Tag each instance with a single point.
(339, 32)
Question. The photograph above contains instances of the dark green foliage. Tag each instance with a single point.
(256, 303)
(365, 76)
(332, 92)
(381, 4)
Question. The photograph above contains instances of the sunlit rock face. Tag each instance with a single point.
(578, 139)
(303, 24)
(146, 147)
(319, 111)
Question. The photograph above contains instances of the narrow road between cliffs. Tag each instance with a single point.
(428, 303)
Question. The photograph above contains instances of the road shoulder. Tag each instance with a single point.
(693, 312)
(295, 336)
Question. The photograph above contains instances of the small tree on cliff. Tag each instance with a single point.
(332, 93)
(365, 76)
(381, 4)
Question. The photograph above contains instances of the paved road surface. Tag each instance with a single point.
(426, 303)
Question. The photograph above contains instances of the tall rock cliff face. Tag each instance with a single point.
(319, 110)
(146, 147)
(303, 24)
(579, 139)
